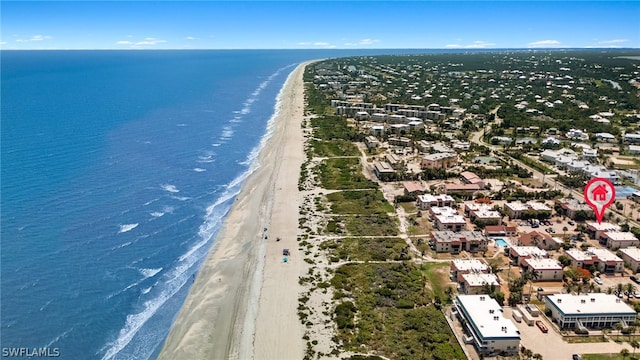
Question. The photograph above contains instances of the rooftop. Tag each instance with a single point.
(485, 315)
(603, 254)
(480, 279)
(544, 264)
(632, 252)
(450, 236)
(529, 251)
(469, 264)
(621, 236)
(593, 303)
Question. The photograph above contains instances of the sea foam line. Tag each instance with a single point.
(127, 227)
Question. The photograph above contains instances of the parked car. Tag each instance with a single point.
(576, 357)
(597, 280)
(635, 279)
(571, 223)
(542, 327)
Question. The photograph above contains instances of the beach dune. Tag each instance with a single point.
(243, 304)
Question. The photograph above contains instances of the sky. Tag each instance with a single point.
(318, 24)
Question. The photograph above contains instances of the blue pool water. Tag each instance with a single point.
(501, 243)
(622, 192)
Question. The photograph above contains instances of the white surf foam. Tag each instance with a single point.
(127, 227)
(148, 273)
(156, 214)
(199, 169)
(170, 188)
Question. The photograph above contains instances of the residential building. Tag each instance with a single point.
(571, 207)
(399, 141)
(546, 269)
(439, 161)
(460, 188)
(460, 267)
(531, 209)
(483, 213)
(446, 218)
(490, 331)
(518, 254)
(620, 239)
(383, 170)
(597, 230)
(631, 258)
(632, 138)
(476, 283)
(455, 242)
(468, 177)
(593, 310)
(371, 142)
(427, 201)
(500, 230)
(412, 187)
(540, 240)
(602, 260)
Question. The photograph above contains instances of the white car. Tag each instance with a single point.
(597, 280)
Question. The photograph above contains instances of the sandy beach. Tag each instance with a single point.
(243, 303)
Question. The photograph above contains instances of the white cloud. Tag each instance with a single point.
(191, 38)
(322, 44)
(145, 42)
(363, 42)
(544, 43)
(3, 43)
(612, 43)
(35, 38)
(479, 44)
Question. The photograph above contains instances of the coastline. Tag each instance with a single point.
(243, 302)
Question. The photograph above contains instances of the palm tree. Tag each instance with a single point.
(619, 289)
(630, 290)
(530, 276)
(634, 344)
(605, 332)
(618, 327)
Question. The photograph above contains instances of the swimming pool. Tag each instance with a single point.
(501, 242)
(623, 191)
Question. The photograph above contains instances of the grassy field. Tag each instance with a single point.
(322, 148)
(343, 174)
(367, 249)
(388, 309)
(366, 202)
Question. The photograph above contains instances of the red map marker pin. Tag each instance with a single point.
(599, 193)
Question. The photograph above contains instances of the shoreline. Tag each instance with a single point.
(229, 311)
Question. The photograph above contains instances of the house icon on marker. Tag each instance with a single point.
(599, 193)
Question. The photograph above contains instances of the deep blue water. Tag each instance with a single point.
(118, 168)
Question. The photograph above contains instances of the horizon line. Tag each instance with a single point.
(330, 49)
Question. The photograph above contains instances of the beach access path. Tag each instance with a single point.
(243, 304)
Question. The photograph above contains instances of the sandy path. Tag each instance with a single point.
(244, 294)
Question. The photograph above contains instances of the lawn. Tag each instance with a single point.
(367, 249)
(367, 202)
(343, 174)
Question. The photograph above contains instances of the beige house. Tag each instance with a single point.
(631, 258)
(439, 161)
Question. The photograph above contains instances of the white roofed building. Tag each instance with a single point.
(620, 239)
(631, 258)
(427, 201)
(519, 254)
(492, 333)
(460, 267)
(476, 283)
(593, 310)
(546, 269)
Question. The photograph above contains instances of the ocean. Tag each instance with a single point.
(118, 168)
